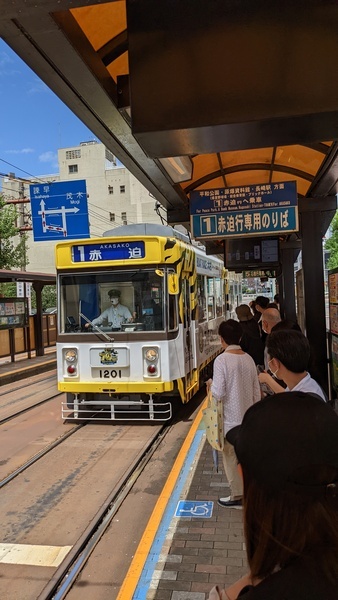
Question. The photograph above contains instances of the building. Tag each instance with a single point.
(115, 197)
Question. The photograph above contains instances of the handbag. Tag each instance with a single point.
(213, 421)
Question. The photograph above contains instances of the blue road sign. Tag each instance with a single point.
(251, 210)
(194, 508)
(59, 210)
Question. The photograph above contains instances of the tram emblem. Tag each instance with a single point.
(108, 357)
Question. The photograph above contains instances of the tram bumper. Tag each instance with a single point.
(132, 401)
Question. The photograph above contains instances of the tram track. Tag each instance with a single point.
(39, 455)
(41, 378)
(66, 575)
(29, 408)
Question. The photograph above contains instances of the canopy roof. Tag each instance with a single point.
(81, 50)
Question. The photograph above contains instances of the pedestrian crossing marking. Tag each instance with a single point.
(28, 554)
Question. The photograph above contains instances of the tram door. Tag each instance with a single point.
(188, 333)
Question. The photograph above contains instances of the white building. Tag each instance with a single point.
(115, 197)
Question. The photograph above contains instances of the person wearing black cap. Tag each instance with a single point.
(116, 314)
(287, 449)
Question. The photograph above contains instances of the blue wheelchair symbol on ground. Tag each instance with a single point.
(193, 508)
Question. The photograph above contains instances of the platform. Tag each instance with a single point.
(26, 367)
(190, 543)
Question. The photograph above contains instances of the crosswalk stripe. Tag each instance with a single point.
(27, 554)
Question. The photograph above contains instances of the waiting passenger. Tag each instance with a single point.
(251, 341)
(235, 384)
(287, 449)
(116, 314)
(289, 355)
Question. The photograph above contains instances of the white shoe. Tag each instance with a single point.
(228, 503)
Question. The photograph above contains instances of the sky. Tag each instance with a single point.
(34, 122)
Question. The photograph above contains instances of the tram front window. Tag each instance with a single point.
(112, 301)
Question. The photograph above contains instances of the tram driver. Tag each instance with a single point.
(114, 315)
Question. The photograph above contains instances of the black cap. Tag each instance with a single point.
(114, 293)
(285, 440)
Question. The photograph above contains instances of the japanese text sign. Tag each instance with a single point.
(252, 210)
(95, 253)
(59, 210)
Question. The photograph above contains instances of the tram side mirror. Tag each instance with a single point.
(173, 283)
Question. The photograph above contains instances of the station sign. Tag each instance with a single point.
(59, 210)
(254, 210)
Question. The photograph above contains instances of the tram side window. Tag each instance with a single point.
(172, 313)
(201, 299)
(211, 297)
(219, 296)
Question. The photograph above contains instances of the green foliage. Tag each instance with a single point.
(48, 297)
(8, 290)
(13, 248)
(331, 244)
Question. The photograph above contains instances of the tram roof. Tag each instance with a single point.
(245, 92)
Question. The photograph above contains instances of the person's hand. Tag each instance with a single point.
(87, 325)
(208, 384)
(264, 377)
(233, 590)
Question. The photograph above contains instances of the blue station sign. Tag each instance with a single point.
(100, 252)
(59, 210)
(252, 210)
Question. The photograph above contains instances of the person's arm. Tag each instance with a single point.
(271, 382)
(232, 592)
(218, 380)
(257, 394)
(101, 318)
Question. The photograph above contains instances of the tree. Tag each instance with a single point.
(331, 244)
(13, 245)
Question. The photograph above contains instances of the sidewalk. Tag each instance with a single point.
(26, 367)
(203, 552)
(182, 557)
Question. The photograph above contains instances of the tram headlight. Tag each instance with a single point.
(151, 361)
(151, 354)
(71, 356)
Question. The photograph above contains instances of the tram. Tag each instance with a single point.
(162, 345)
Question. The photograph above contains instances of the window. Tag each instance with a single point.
(112, 217)
(124, 218)
(211, 297)
(71, 154)
(122, 189)
(72, 169)
(201, 299)
(110, 189)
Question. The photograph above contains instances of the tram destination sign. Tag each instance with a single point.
(100, 252)
(252, 210)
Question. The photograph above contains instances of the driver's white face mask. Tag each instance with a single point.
(114, 301)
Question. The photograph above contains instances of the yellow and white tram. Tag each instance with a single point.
(167, 339)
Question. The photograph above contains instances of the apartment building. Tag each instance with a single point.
(115, 197)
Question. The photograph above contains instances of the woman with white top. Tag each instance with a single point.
(235, 384)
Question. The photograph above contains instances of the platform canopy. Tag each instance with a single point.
(193, 95)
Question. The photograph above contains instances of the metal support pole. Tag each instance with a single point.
(315, 219)
(288, 304)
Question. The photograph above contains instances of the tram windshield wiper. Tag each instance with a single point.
(96, 327)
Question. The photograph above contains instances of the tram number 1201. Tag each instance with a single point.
(110, 373)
